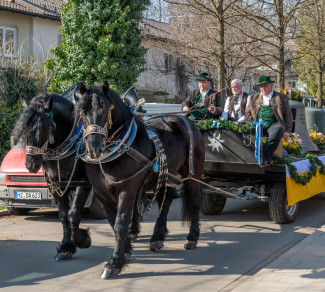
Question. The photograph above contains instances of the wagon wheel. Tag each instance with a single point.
(212, 203)
(279, 210)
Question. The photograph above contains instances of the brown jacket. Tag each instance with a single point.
(242, 107)
(280, 106)
(215, 99)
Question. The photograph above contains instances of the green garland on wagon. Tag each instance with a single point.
(302, 179)
(225, 125)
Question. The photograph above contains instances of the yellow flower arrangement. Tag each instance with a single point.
(292, 144)
(295, 95)
(318, 139)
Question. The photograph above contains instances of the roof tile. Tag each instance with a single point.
(43, 8)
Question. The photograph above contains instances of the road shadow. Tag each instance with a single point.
(32, 262)
(218, 252)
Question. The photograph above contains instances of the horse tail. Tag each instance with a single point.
(191, 202)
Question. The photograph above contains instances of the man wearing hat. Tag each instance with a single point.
(273, 108)
(205, 102)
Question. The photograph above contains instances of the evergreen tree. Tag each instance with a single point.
(100, 42)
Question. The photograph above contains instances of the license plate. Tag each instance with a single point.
(28, 195)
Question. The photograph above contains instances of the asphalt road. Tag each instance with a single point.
(233, 247)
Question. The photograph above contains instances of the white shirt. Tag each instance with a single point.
(241, 119)
(266, 98)
(203, 94)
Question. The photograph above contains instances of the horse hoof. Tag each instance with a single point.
(110, 273)
(63, 256)
(156, 245)
(127, 258)
(82, 238)
(133, 237)
(190, 244)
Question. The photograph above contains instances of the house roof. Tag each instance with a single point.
(50, 9)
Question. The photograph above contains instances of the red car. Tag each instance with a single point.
(21, 191)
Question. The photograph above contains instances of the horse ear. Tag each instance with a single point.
(48, 105)
(105, 88)
(82, 88)
(24, 101)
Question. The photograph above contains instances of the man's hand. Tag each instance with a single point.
(285, 135)
(212, 108)
(186, 109)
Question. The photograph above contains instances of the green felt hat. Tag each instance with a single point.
(264, 80)
(203, 77)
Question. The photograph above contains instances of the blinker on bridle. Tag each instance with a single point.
(96, 129)
(33, 150)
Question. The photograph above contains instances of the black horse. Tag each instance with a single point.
(117, 182)
(51, 118)
(44, 126)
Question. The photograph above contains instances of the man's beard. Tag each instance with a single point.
(236, 93)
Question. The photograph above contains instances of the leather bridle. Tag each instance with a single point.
(96, 129)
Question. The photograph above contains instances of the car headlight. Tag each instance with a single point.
(2, 177)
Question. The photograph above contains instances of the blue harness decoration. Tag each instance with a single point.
(121, 146)
(258, 139)
(68, 147)
(156, 166)
(125, 142)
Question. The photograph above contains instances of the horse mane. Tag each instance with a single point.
(101, 103)
(34, 118)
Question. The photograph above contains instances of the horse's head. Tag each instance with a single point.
(102, 112)
(35, 129)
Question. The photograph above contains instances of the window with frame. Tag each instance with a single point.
(169, 64)
(8, 41)
(157, 10)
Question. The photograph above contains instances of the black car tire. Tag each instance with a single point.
(212, 204)
(279, 210)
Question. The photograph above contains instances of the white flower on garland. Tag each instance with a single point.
(216, 142)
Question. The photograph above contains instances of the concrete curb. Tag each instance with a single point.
(266, 277)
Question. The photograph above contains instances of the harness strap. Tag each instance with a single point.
(190, 135)
(190, 154)
(140, 158)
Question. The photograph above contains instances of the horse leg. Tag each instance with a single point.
(135, 228)
(111, 217)
(191, 212)
(123, 246)
(80, 237)
(67, 248)
(160, 229)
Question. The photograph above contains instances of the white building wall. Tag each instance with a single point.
(155, 78)
(45, 36)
